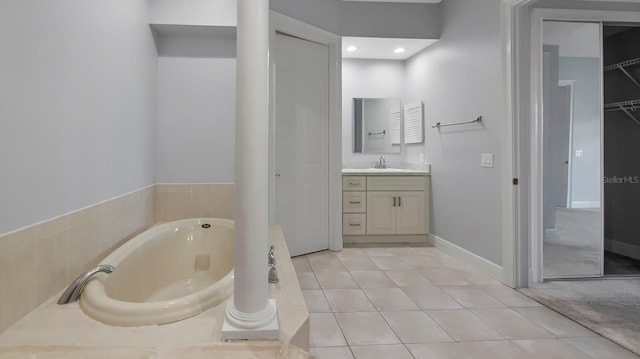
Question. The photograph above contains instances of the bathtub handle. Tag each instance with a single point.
(73, 292)
(272, 256)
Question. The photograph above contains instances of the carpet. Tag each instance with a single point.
(609, 307)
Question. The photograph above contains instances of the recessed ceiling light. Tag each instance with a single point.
(399, 50)
(351, 48)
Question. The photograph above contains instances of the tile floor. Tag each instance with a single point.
(418, 302)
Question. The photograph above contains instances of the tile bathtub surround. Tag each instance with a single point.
(53, 331)
(38, 261)
(180, 201)
(418, 302)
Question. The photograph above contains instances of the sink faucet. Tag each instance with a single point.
(382, 163)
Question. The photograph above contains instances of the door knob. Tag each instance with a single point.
(277, 175)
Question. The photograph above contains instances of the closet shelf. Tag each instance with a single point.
(629, 105)
(624, 106)
(621, 66)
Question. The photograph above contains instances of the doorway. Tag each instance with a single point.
(589, 90)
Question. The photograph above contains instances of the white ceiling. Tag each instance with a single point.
(405, 1)
(382, 48)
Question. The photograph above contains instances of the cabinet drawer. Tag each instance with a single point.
(354, 183)
(354, 202)
(396, 183)
(354, 224)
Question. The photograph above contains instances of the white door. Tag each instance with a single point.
(302, 143)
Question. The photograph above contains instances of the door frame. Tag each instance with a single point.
(290, 26)
(536, 168)
(518, 112)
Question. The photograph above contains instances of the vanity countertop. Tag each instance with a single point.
(384, 171)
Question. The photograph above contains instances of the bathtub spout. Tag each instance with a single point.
(73, 292)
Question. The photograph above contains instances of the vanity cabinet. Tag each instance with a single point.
(396, 212)
(387, 208)
(354, 205)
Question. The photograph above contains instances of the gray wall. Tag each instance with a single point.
(460, 78)
(196, 120)
(193, 12)
(585, 183)
(370, 19)
(373, 79)
(77, 102)
(344, 18)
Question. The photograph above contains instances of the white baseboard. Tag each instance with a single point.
(585, 204)
(485, 266)
(550, 233)
(622, 248)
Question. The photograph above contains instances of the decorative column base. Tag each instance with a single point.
(252, 326)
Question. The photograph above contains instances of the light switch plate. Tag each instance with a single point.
(486, 159)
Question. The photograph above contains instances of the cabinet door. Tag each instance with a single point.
(381, 217)
(411, 213)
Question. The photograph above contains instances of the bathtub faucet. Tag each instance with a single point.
(273, 271)
(73, 292)
(272, 256)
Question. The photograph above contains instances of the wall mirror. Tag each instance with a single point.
(376, 125)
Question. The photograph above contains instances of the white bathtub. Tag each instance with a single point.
(170, 272)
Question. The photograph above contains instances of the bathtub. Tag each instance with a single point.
(168, 273)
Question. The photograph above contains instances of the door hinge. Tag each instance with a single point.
(515, 181)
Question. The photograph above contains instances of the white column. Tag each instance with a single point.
(250, 313)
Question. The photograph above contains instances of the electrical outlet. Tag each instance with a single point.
(486, 159)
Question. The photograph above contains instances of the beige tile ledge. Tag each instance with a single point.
(293, 315)
(67, 331)
(247, 350)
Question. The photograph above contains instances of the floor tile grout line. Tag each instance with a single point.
(383, 317)
(481, 287)
(515, 311)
